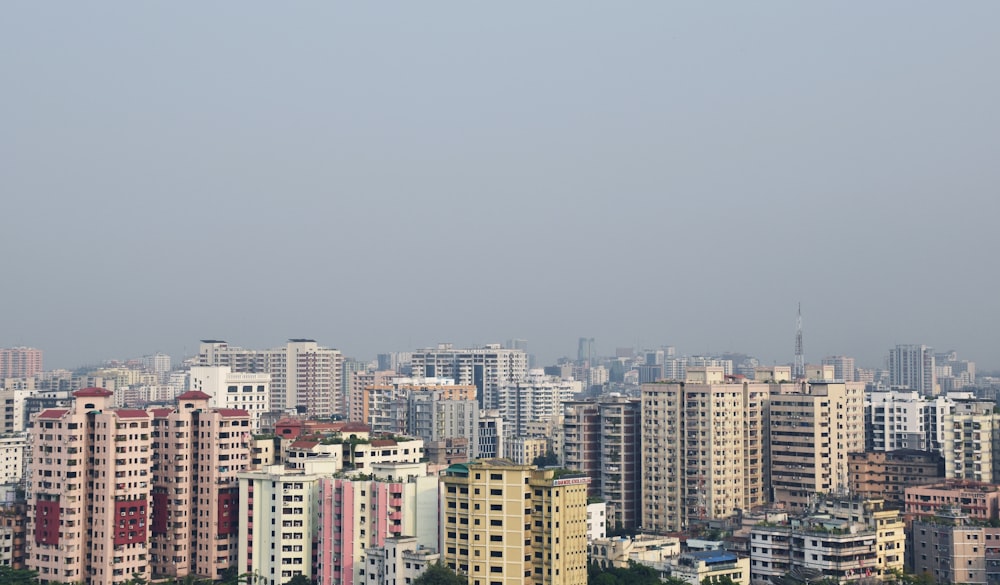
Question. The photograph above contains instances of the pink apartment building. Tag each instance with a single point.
(89, 492)
(354, 515)
(197, 452)
(118, 493)
(20, 362)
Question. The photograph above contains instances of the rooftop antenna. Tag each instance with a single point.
(799, 370)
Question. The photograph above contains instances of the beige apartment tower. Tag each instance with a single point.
(814, 426)
(703, 449)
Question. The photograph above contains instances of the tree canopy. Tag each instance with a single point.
(439, 574)
(9, 576)
(634, 574)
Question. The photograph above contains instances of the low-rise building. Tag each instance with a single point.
(978, 501)
(846, 540)
(398, 562)
(402, 450)
(887, 474)
(641, 548)
(952, 548)
(713, 565)
(524, 450)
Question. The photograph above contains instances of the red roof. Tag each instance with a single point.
(161, 412)
(232, 412)
(131, 413)
(88, 392)
(383, 443)
(355, 427)
(194, 395)
(53, 413)
(303, 444)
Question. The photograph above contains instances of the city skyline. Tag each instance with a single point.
(603, 353)
(385, 180)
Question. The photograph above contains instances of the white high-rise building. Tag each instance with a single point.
(279, 533)
(912, 366)
(904, 419)
(158, 363)
(304, 376)
(488, 368)
(228, 389)
(537, 398)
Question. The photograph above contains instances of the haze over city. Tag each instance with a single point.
(384, 179)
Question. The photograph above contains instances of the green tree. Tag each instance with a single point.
(439, 574)
(299, 580)
(550, 458)
(137, 579)
(634, 574)
(604, 579)
(9, 576)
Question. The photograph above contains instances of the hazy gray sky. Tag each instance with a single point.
(385, 176)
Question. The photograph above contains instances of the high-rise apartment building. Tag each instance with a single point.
(12, 419)
(621, 430)
(12, 531)
(357, 383)
(535, 398)
(912, 366)
(582, 441)
(971, 446)
(440, 415)
(491, 435)
(906, 419)
(355, 514)
(235, 390)
(506, 524)
(20, 362)
(843, 367)
(158, 363)
(585, 350)
(351, 368)
(89, 492)
(277, 537)
(304, 376)
(488, 368)
(703, 449)
(196, 453)
(813, 427)
(386, 408)
(13, 454)
(602, 440)
(118, 493)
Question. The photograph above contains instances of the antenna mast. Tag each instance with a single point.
(799, 370)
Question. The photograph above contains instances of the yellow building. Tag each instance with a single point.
(505, 523)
